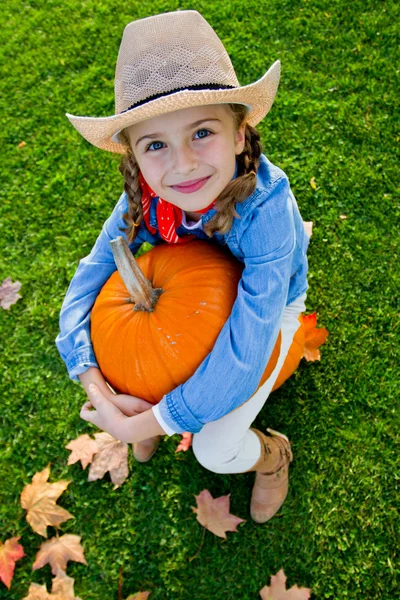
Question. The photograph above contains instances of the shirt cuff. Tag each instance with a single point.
(176, 414)
(79, 361)
(168, 430)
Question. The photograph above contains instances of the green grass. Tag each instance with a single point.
(334, 120)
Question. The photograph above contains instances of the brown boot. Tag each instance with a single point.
(272, 477)
(143, 451)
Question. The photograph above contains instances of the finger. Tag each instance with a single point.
(88, 415)
(95, 395)
(142, 405)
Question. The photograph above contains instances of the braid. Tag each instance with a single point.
(244, 185)
(130, 171)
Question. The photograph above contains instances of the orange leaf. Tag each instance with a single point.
(10, 552)
(58, 551)
(83, 448)
(185, 442)
(214, 515)
(112, 456)
(277, 590)
(314, 338)
(39, 499)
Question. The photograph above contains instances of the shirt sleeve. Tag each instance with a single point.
(231, 372)
(168, 430)
(73, 340)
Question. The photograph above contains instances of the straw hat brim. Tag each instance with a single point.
(259, 96)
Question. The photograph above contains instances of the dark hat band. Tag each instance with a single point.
(200, 86)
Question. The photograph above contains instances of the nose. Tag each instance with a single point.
(185, 160)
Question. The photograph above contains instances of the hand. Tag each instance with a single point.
(130, 405)
(107, 416)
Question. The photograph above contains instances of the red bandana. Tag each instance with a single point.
(169, 216)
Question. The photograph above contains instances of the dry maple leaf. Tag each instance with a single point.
(313, 337)
(10, 552)
(277, 589)
(8, 293)
(139, 596)
(112, 456)
(83, 448)
(185, 442)
(214, 515)
(39, 499)
(62, 588)
(58, 551)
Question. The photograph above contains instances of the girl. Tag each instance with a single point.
(193, 168)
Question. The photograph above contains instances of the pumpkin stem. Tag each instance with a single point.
(141, 291)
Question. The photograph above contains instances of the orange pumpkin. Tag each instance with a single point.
(151, 339)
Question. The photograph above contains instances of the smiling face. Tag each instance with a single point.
(181, 147)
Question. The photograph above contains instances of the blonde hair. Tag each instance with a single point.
(237, 190)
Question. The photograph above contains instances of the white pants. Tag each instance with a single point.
(227, 445)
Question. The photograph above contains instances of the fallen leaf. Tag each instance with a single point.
(185, 442)
(39, 499)
(139, 596)
(10, 552)
(312, 183)
(62, 588)
(308, 225)
(314, 337)
(8, 292)
(214, 515)
(83, 448)
(58, 551)
(343, 216)
(21, 144)
(112, 456)
(37, 592)
(277, 589)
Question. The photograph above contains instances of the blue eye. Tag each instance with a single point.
(149, 146)
(203, 136)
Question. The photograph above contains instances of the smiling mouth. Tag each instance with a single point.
(190, 186)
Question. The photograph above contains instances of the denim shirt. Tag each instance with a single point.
(270, 239)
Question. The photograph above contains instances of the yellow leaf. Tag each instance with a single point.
(312, 183)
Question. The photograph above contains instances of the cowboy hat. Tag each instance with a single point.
(171, 61)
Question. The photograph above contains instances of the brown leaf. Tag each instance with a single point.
(214, 514)
(185, 442)
(83, 448)
(62, 588)
(139, 596)
(8, 293)
(39, 499)
(58, 551)
(313, 337)
(112, 456)
(37, 592)
(10, 552)
(277, 590)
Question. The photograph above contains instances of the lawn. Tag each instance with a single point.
(332, 129)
